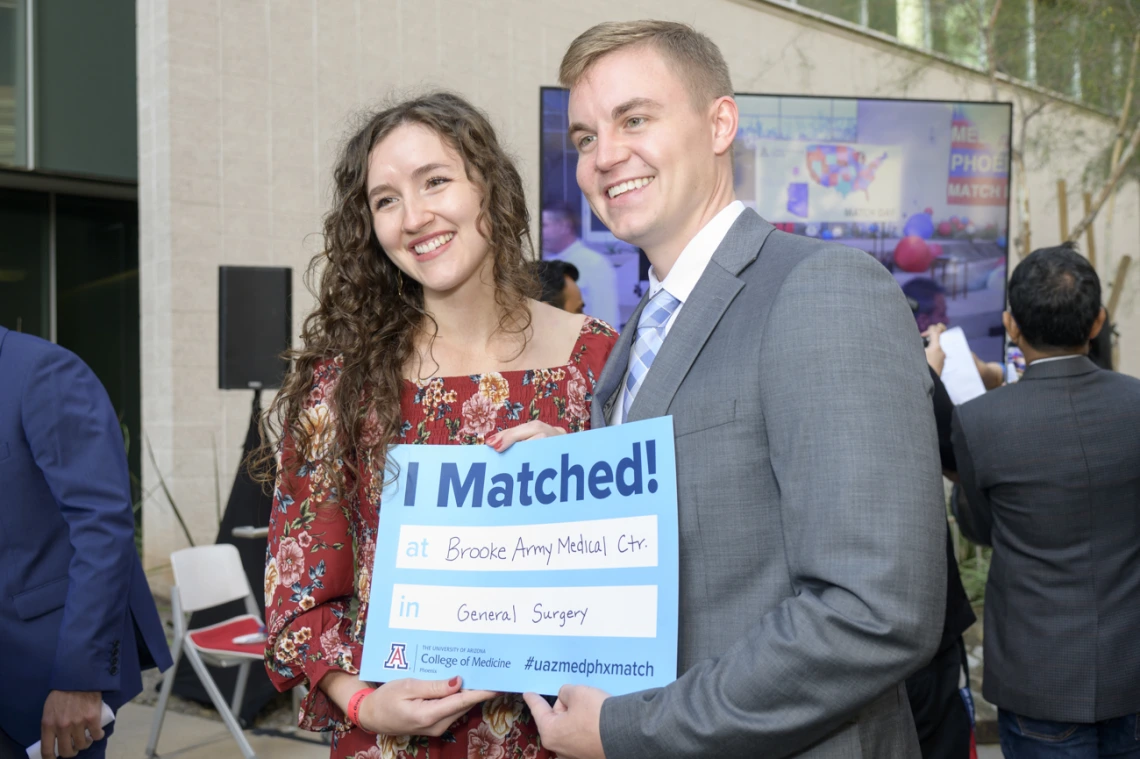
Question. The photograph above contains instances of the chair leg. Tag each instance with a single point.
(163, 697)
(239, 689)
(219, 702)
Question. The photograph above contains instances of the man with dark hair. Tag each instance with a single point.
(559, 282)
(929, 299)
(596, 276)
(1050, 469)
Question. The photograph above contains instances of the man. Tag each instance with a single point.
(560, 289)
(597, 278)
(811, 522)
(77, 620)
(1050, 467)
(942, 715)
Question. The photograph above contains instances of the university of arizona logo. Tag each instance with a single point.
(397, 659)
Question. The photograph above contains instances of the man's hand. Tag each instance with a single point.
(572, 729)
(991, 372)
(68, 717)
(935, 356)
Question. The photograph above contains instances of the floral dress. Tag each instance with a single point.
(319, 559)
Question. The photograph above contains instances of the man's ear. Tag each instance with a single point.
(1098, 325)
(725, 122)
(1011, 328)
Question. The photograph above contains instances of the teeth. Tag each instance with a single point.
(633, 184)
(433, 243)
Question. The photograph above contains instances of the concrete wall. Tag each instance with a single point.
(242, 105)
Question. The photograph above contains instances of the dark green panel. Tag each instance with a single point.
(86, 119)
(13, 90)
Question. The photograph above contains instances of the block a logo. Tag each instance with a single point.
(396, 658)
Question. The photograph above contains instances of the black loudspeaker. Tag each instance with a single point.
(255, 322)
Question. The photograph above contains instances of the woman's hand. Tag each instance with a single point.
(501, 441)
(418, 707)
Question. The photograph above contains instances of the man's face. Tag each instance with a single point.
(557, 232)
(572, 297)
(646, 155)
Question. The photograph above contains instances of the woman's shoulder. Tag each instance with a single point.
(599, 330)
(596, 340)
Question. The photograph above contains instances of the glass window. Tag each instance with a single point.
(25, 300)
(13, 77)
(97, 299)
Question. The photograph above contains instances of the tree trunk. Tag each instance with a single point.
(1119, 146)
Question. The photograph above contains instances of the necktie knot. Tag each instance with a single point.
(658, 310)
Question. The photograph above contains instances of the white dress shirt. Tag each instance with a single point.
(682, 278)
(597, 280)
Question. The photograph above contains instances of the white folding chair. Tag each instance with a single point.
(205, 577)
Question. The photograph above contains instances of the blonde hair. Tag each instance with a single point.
(693, 57)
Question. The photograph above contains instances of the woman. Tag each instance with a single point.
(423, 333)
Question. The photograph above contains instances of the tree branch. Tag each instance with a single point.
(1109, 185)
(1127, 101)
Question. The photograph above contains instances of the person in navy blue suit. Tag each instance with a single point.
(77, 621)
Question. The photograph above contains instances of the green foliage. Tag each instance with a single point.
(974, 569)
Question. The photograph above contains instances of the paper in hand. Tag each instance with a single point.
(959, 373)
(106, 717)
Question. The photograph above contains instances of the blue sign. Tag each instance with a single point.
(552, 563)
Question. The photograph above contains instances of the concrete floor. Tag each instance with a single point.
(187, 737)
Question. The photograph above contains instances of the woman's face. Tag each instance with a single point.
(424, 209)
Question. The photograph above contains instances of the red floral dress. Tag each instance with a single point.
(319, 559)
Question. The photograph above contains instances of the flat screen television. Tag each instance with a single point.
(921, 185)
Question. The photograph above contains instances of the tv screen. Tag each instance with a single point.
(923, 186)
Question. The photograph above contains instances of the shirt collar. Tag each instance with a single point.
(691, 264)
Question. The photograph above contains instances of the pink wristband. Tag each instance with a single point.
(353, 710)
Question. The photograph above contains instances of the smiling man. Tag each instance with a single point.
(810, 501)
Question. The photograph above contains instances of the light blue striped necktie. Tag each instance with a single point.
(650, 335)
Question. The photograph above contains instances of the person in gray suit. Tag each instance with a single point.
(1050, 469)
(812, 564)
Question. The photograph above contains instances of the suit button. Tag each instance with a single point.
(114, 670)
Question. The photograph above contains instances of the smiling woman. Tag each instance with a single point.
(424, 332)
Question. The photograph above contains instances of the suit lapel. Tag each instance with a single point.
(702, 311)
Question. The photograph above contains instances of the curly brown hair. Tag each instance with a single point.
(368, 314)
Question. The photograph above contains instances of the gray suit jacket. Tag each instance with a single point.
(813, 572)
(1050, 468)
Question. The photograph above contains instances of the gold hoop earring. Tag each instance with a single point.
(400, 282)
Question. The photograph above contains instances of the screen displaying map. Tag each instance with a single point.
(922, 186)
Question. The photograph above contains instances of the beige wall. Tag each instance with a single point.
(242, 104)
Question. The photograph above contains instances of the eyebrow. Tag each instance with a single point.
(427, 168)
(620, 110)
